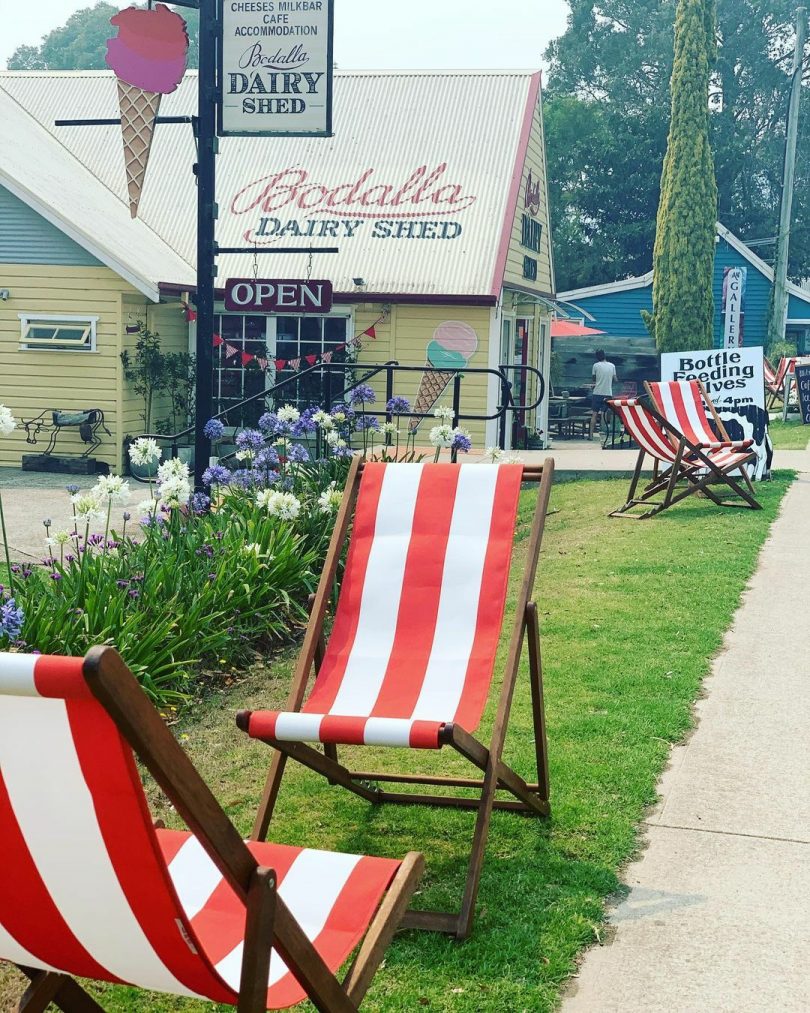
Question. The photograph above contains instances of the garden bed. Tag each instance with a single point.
(631, 614)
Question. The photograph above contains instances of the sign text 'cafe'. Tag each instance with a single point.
(421, 205)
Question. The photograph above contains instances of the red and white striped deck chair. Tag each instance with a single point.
(682, 467)
(773, 390)
(90, 887)
(412, 651)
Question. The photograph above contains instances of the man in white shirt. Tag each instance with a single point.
(604, 374)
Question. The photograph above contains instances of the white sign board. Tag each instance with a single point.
(734, 380)
(734, 279)
(275, 68)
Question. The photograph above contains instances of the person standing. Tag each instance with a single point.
(604, 375)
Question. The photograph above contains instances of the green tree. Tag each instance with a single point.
(81, 43)
(683, 257)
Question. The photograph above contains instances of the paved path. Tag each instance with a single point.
(718, 914)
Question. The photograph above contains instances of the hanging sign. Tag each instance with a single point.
(734, 380)
(261, 295)
(734, 279)
(801, 378)
(275, 68)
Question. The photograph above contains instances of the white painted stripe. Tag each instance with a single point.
(310, 889)
(17, 674)
(11, 950)
(457, 614)
(646, 434)
(298, 727)
(695, 428)
(195, 877)
(387, 732)
(55, 813)
(382, 591)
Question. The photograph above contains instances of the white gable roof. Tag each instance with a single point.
(38, 170)
(414, 154)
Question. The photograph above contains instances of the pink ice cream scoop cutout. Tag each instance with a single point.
(456, 336)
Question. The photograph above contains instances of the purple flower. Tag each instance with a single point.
(69, 558)
(134, 593)
(398, 405)
(298, 454)
(250, 439)
(95, 539)
(216, 475)
(266, 458)
(304, 426)
(342, 452)
(72, 489)
(343, 409)
(55, 576)
(11, 619)
(462, 442)
(214, 429)
(244, 479)
(362, 393)
(271, 425)
(122, 583)
(212, 576)
(127, 516)
(200, 504)
(368, 422)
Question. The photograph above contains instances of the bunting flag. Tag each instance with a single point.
(371, 332)
(218, 340)
(311, 359)
(230, 351)
(294, 363)
(262, 363)
(327, 357)
(247, 358)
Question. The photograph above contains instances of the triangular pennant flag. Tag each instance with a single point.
(327, 357)
(218, 340)
(339, 348)
(371, 332)
(295, 363)
(247, 358)
(191, 315)
(311, 359)
(262, 362)
(280, 363)
(230, 350)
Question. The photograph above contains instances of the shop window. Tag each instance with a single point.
(50, 333)
(298, 337)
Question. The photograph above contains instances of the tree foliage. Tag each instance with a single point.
(607, 113)
(683, 256)
(81, 43)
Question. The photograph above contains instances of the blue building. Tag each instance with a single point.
(616, 308)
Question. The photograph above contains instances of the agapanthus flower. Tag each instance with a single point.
(86, 508)
(289, 414)
(174, 493)
(332, 438)
(144, 452)
(245, 455)
(305, 424)
(361, 394)
(368, 422)
(398, 405)
(111, 489)
(271, 425)
(61, 537)
(323, 419)
(173, 469)
(330, 499)
(249, 439)
(216, 475)
(200, 503)
(441, 436)
(214, 429)
(267, 457)
(461, 440)
(493, 454)
(342, 449)
(242, 478)
(147, 506)
(279, 504)
(7, 421)
(390, 428)
(298, 454)
(443, 412)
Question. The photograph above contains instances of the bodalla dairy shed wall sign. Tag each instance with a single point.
(275, 68)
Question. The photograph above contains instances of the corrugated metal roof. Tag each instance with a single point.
(413, 154)
(35, 167)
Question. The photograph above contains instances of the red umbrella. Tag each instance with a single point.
(568, 329)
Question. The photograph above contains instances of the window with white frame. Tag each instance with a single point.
(50, 332)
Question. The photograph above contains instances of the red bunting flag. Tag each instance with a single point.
(311, 359)
(190, 314)
(371, 332)
(218, 340)
(339, 348)
(230, 351)
(280, 363)
(295, 363)
(247, 358)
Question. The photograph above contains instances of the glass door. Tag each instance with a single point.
(520, 357)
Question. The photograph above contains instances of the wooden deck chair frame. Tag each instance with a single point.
(269, 922)
(497, 776)
(721, 429)
(692, 466)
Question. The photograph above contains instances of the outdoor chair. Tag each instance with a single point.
(92, 888)
(412, 650)
(773, 387)
(681, 467)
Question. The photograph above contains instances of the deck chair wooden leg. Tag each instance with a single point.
(261, 904)
(538, 706)
(60, 989)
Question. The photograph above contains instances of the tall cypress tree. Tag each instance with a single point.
(683, 257)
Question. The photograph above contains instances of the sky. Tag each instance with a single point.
(370, 34)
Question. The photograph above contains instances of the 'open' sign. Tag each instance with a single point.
(262, 295)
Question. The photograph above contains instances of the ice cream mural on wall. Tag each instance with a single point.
(149, 59)
(452, 346)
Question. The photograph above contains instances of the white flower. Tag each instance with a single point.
(279, 504)
(144, 452)
(493, 454)
(245, 455)
(441, 436)
(512, 459)
(333, 438)
(330, 499)
(51, 543)
(175, 492)
(288, 414)
(112, 489)
(85, 507)
(147, 506)
(390, 429)
(173, 468)
(252, 549)
(323, 419)
(7, 421)
(443, 412)
(61, 537)
(339, 417)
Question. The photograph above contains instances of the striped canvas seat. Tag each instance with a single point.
(90, 888)
(420, 611)
(682, 404)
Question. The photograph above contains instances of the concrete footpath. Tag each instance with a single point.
(718, 913)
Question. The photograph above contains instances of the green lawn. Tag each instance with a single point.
(790, 435)
(631, 615)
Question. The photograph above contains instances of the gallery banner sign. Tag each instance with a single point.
(734, 280)
(734, 380)
(275, 68)
(262, 295)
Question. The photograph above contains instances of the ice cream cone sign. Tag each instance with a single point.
(149, 59)
(452, 346)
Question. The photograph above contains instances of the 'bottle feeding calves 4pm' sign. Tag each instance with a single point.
(275, 68)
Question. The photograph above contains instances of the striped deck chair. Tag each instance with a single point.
(773, 389)
(91, 887)
(681, 467)
(412, 651)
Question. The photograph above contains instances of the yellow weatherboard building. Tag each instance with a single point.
(433, 189)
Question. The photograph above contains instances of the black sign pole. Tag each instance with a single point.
(206, 231)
